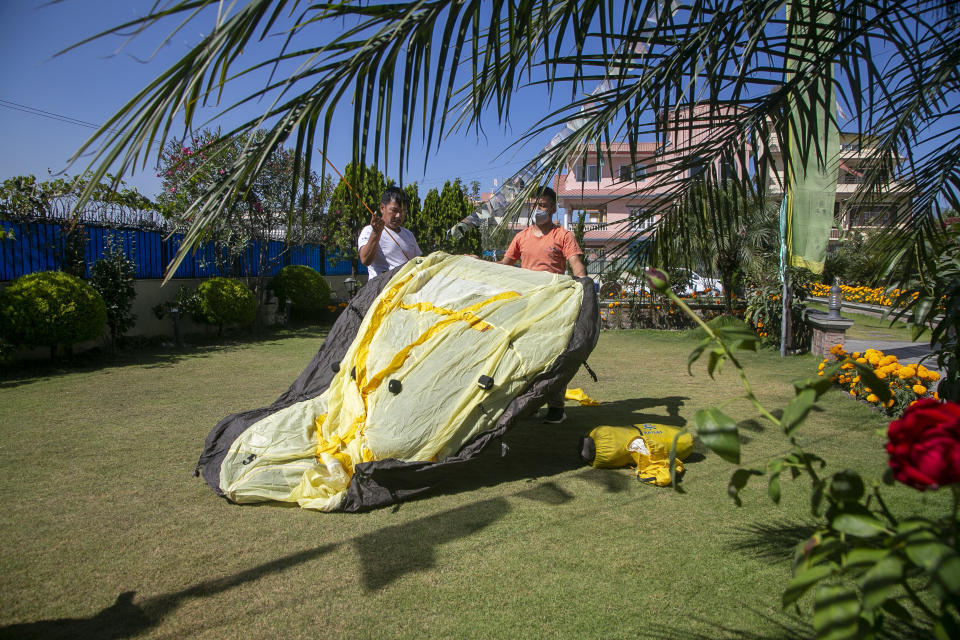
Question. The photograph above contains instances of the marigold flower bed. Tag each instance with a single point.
(908, 382)
(867, 295)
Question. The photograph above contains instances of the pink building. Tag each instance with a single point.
(618, 194)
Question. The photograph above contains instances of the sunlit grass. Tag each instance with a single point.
(108, 533)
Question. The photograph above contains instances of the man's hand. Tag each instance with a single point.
(576, 265)
(376, 221)
(369, 251)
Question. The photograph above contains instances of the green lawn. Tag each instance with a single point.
(108, 534)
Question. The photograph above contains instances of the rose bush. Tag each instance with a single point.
(864, 564)
(924, 445)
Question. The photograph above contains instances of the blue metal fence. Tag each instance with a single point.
(39, 246)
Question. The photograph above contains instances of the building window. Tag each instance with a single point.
(872, 216)
(698, 168)
(640, 220)
(632, 172)
(593, 172)
(849, 146)
(728, 171)
(592, 216)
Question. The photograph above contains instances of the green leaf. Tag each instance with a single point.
(846, 486)
(796, 412)
(820, 384)
(896, 609)
(773, 487)
(717, 356)
(736, 333)
(946, 627)
(804, 579)
(696, 353)
(836, 612)
(865, 556)
(738, 337)
(719, 433)
(829, 548)
(816, 497)
(916, 528)
(856, 520)
(882, 582)
(937, 559)
(738, 481)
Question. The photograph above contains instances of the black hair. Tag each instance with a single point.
(545, 192)
(398, 195)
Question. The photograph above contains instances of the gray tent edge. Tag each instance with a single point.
(384, 482)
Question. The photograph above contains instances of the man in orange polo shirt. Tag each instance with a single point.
(544, 246)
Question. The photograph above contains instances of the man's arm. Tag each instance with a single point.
(513, 250)
(369, 250)
(576, 265)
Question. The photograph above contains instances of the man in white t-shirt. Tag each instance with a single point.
(384, 243)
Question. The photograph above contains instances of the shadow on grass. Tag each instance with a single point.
(532, 450)
(773, 542)
(782, 626)
(389, 553)
(124, 618)
(385, 556)
(610, 480)
(148, 355)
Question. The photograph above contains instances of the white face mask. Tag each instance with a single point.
(541, 215)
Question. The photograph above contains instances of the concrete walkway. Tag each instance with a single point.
(906, 352)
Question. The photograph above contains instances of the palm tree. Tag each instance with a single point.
(450, 65)
(718, 230)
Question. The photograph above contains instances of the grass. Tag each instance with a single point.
(108, 534)
(867, 327)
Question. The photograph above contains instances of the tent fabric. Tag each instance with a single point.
(426, 366)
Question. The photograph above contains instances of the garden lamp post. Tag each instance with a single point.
(351, 284)
(175, 315)
(834, 302)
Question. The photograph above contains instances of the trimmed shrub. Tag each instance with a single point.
(307, 290)
(112, 276)
(51, 308)
(223, 301)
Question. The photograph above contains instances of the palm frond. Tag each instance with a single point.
(451, 66)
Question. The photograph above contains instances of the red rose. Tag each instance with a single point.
(924, 445)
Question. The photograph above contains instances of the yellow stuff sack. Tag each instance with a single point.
(645, 446)
(664, 435)
(606, 447)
